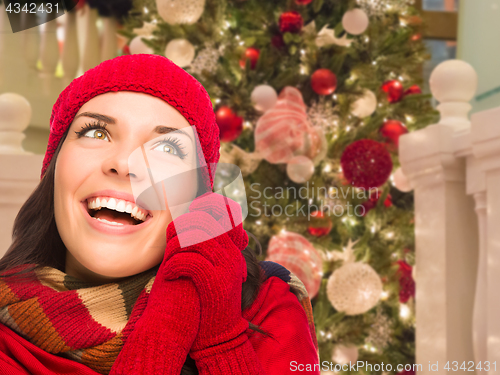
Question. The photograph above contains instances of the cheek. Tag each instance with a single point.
(71, 170)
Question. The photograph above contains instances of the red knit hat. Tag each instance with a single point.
(151, 74)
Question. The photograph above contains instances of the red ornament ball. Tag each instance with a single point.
(303, 2)
(277, 41)
(320, 224)
(372, 201)
(366, 163)
(323, 81)
(406, 282)
(291, 22)
(388, 201)
(415, 89)
(394, 90)
(416, 37)
(251, 54)
(393, 129)
(230, 125)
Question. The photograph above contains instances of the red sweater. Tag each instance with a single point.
(276, 310)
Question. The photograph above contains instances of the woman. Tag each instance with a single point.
(97, 282)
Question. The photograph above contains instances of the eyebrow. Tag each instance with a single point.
(160, 129)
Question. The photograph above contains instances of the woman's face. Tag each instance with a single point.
(131, 153)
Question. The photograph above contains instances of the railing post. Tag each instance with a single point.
(70, 52)
(445, 224)
(486, 148)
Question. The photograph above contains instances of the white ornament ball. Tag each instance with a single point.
(264, 97)
(344, 354)
(401, 182)
(300, 169)
(354, 288)
(180, 11)
(180, 51)
(138, 46)
(355, 21)
(453, 81)
(365, 105)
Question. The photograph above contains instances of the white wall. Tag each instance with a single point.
(479, 45)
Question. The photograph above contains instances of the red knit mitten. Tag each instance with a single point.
(215, 264)
(164, 334)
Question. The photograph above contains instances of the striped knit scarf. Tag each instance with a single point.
(71, 318)
(90, 323)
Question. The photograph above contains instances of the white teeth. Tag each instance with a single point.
(109, 222)
(120, 207)
(117, 205)
(112, 203)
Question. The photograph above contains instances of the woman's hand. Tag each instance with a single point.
(216, 267)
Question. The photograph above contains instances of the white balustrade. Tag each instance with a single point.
(454, 167)
(19, 170)
(22, 54)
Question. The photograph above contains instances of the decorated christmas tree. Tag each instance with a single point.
(311, 97)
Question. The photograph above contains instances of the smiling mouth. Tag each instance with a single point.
(111, 216)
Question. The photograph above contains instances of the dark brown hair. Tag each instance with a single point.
(36, 240)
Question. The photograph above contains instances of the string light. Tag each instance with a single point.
(373, 229)
(404, 311)
(146, 10)
(334, 96)
(374, 63)
(384, 295)
(348, 128)
(258, 222)
(303, 51)
(217, 100)
(390, 235)
(327, 168)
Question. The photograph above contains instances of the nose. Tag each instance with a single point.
(126, 162)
